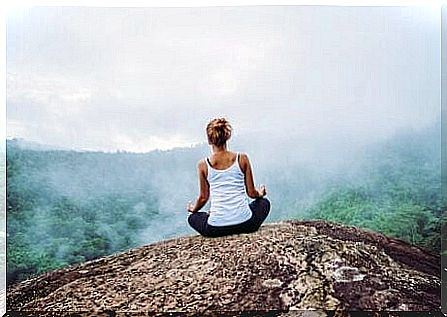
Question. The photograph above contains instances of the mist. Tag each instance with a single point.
(336, 107)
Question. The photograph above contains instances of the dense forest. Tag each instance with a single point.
(66, 207)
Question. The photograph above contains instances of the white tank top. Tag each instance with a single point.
(229, 202)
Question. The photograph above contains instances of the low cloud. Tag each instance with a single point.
(137, 79)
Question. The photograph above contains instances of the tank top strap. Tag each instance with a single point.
(207, 160)
(238, 162)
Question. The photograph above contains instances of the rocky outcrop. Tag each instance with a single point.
(286, 266)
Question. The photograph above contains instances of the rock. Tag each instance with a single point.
(291, 268)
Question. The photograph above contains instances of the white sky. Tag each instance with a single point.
(144, 78)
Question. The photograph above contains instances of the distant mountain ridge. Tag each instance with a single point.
(33, 145)
(25, 144)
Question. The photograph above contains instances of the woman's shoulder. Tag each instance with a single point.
(243, 160)
(201, 163)
(243, 155)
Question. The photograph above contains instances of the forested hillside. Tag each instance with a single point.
(396, 191)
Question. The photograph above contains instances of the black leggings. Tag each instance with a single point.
(260, 208)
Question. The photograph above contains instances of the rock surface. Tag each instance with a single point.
(286, 266)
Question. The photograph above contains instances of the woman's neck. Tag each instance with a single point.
(219, 149)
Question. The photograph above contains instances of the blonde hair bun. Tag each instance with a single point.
(218, 131)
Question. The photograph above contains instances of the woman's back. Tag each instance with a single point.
(229, 202)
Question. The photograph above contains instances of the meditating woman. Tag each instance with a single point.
(227, 178)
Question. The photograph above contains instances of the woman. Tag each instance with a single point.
(226, 177)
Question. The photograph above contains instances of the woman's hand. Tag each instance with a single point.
(190, 206)
(262, 191)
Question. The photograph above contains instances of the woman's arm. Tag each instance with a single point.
(252, 192)
(204, 189)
